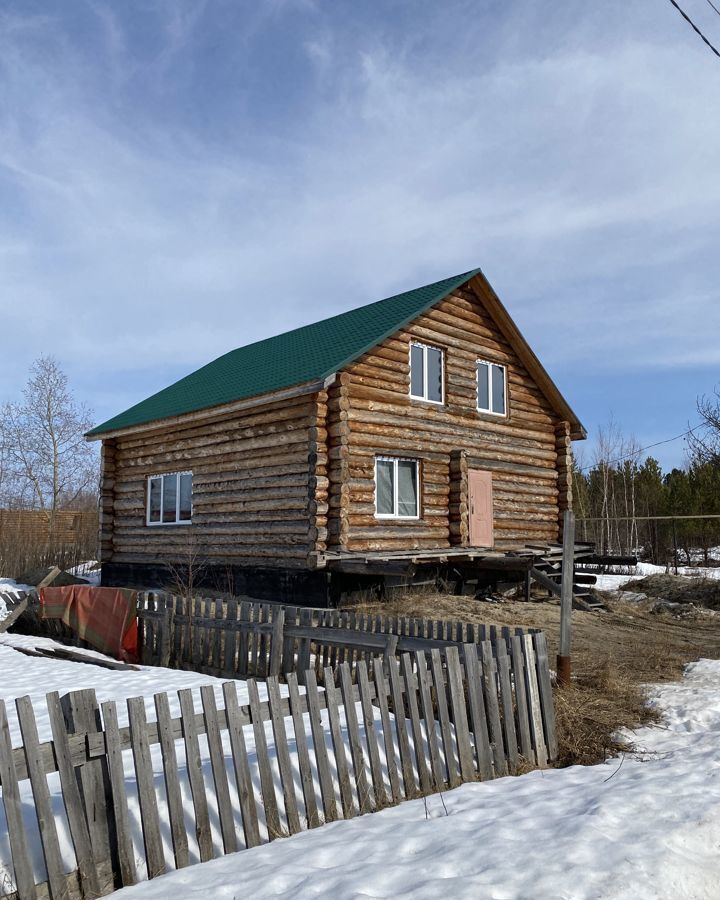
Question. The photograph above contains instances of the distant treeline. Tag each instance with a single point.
(611, 499)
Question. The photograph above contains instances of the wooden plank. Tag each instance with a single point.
(546, 696)
(453, 773)
(87, 870)
(406, 763)
(17, 836)
(283, 754)
(353, 729)
(243, 641)
(154, 854)
(41, 796)
(267, 786)
(457, 699)
(506, 702)
(116, 770)
(381, 695)
(523, 719)
(418, 738)
(218, 637)
(246, 793)
(376, 773)
(492, 707)
(17, 608)
(341, 762)
(193, 764)
(172, 780)
(276, 642)
(230, 640)
(327, 789)
(478, 714)
(533, 694)
(82, 714)
(217, 764)
(306, 777)
(424, 685)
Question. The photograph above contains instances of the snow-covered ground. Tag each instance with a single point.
(613, 580)
(643, 827)
(640, 827)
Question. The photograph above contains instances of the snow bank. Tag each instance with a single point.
(640, 828)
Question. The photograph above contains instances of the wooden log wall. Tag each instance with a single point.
(563, 446)
(259, 488)
(521, 450)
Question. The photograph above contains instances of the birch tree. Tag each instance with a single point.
(45, 454)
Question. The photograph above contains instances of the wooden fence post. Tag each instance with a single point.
(276, 642)
(566, 587)
(82, 714)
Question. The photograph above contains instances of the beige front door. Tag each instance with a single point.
(481, 508)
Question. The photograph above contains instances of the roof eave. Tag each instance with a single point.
(213, 412)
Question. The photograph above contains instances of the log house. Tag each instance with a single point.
(422, 426)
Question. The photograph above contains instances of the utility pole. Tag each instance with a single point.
(566, 596)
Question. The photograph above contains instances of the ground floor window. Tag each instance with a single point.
(397, 488)
(169, 500)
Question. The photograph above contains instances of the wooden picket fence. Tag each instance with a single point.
(401, 729)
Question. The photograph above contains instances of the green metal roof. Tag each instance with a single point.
(305, 354)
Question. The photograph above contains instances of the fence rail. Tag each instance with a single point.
(406, 728)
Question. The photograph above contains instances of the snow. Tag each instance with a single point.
(642, 826)
(612, 581)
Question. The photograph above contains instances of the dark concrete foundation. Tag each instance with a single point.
(301, 587)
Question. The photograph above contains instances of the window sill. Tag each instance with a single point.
(167, 524)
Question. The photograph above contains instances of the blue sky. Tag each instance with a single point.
(181, 178)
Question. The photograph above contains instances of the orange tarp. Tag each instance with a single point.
(105, 617)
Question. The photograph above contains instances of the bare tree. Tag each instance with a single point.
(45, 454)
(704, 442)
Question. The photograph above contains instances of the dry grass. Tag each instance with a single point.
(614, 654)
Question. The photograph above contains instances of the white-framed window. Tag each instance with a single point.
(169, 499)
(397, 488)
(426, 373)
(491, 388)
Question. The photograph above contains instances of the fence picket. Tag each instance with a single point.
(457, 699)
(523, 719)
(327, 789)
(438, 777)
(341, 762)
(478, 713)
(172, 781)
(453, 774)
(41, 796)
(267, 785)
(22, 866)
(283, 755)
(492, 707)
(371, 736)
(246, 792)
(381, 694)
(154, 855)
(217, 764)
(411, 696)
(193, 763)
(353, 729)
(406, 765)
(306, 777)
(87, 870)
(506, 700)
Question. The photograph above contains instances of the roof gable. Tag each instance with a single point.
(314, 352)
(304, 354)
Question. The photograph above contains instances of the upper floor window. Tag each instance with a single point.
(426, 373)
(491, 388)
(169, 499)
(397, 488)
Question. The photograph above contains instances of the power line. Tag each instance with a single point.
(710, 3)
(612, 462)
(695, 28)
